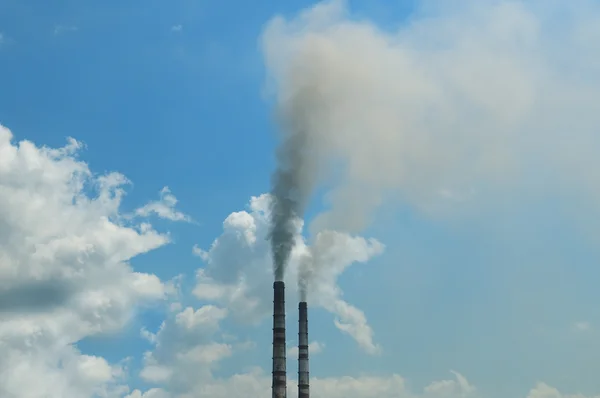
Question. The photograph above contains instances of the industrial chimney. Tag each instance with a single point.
(303, 384)
(279, 385)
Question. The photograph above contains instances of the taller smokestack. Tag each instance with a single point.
(303, 384)
(279, 385)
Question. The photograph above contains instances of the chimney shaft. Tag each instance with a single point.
(279, 385)
(303, 379)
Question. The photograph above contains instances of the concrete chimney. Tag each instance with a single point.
(303, 379)
(279, 385)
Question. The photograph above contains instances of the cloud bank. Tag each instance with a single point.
(64, 272)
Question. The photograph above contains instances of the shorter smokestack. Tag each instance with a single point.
(303, 379)
(279, 385)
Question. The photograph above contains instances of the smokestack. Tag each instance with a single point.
(303, 385)
(279, 385)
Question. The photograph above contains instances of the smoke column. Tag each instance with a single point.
(303, 369)
(293, 181)
(279, 384)
(305, 273)
(445, 139)
(284, 208)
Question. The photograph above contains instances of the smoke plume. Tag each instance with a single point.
(306, 269)
(460, 109)
(294, 178)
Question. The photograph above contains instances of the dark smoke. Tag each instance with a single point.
(287, 201)
(293, 180)
(283, 211)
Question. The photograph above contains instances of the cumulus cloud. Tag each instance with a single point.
(64, 272)
(238, 272)
(257, 382)
(543, 390)
(163, 208)
(187, 347)
(465, 101)
(152, 393)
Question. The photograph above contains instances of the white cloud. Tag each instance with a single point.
(543, 390)
(64, 272)
(177, 28)
(257, 383)
(186, 349)
(147, 335)
(152, 393)
(207, 317)
(163, 208)
(155, 373)
(239, 273)
(459, 387)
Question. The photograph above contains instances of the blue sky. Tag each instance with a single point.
(172, 94)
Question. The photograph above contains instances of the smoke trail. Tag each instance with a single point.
(305, 274)
(293, 180)
(285, 204)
